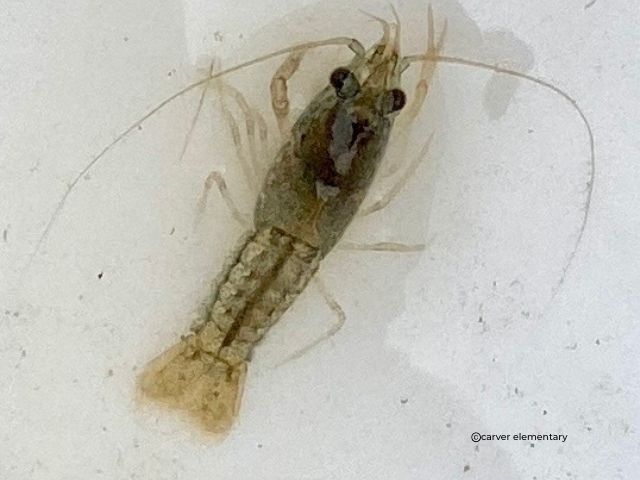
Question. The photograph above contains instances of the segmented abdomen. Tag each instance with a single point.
(271, 271)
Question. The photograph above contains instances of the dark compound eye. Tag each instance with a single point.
(345, 82)
(396, 100)
(338, 77)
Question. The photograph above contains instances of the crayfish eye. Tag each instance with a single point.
(396, 100)
(345, 82)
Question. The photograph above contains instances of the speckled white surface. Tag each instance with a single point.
(467, 337)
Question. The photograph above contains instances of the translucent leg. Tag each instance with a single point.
(400, 183)
(255, 128)
(217, 178)
(250, 170)
(421, 88)
(428, 67)
(340, 319)
(381, 247)
(248, 173)
(192, 126)
(251, 117)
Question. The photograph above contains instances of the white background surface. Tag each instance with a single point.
(465, 337)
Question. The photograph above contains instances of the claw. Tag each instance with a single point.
(385, 26)
(398, 33)
(434, 48)
(443, 34)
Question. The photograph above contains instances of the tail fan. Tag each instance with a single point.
(189, 380)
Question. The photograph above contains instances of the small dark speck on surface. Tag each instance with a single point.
(16, 314)
(126, 39)
(530, 130)
(590, 4)
(110, 372)
(100, 274)
(23, 353)
(480, 319)
(572, 347)
(448, 425)
(139, 127)
(544, 412)
(80, 297)
(5, 233)
(404, 400)
(597, 341)
(532, 445)
(466, 468)
(173, 230)
(259, 445)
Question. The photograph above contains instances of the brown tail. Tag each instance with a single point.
(186, 379)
